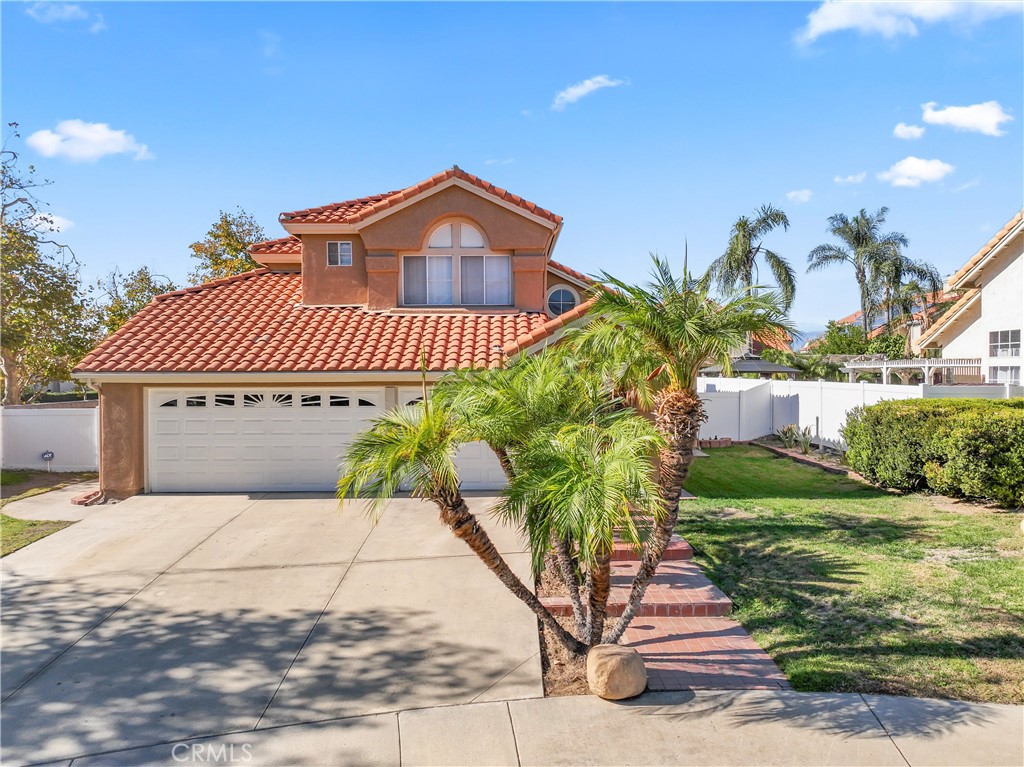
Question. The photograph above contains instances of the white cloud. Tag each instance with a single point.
(57, 13)
(507, 161)
(79, 141)
(574, 93)
(856, 178)
(976, 118)
(969, 185)
(902, 17)
(913, 171)
(909, 132)
(52, 222)
(799, 196)
(51, 13)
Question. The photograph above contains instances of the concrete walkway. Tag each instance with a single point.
(679, 728)
(54, 505)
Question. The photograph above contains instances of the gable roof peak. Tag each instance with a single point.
(361, 208)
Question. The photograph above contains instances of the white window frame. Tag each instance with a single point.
(559, 286)
(341, 255)
(455, 253)
(1012, 372)
(1007, 349)
(429, 256)
(487, 257)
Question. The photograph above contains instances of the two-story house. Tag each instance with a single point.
(258, 381)
(985, 325)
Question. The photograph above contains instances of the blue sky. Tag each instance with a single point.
(683, 117)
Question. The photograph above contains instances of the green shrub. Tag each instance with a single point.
(969, 447)
(980, 455)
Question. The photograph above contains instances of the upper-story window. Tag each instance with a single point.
(339, 253)
(561, 299)
(457, 269)
(1004, 343)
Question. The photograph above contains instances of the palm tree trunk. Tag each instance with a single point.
(597, 597)
(464, 524)
(567, 568)
(678, 414)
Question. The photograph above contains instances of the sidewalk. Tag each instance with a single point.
(678, 728)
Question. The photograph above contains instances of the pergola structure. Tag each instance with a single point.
(948, 370)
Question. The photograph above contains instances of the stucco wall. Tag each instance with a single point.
(504, 229)
(122, 440)
(332, 285)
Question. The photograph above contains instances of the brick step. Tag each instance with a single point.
(678, 590)
(702, 653)
(678, 549)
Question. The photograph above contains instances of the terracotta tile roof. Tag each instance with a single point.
(988, 247)
(353, 211)
(568, 272)
(282, 246)
(547, 329)
(254, 322)
(964, 301)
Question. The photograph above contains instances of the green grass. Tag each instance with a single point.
(850, 588)
(17, 533)
(13, 477)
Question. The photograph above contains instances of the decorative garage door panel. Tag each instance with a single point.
(479, 468)
(239, 440)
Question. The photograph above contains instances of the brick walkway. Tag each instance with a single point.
(702, 653)
(682, 629)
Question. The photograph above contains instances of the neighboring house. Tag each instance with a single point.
(986, 323)
(258, 381)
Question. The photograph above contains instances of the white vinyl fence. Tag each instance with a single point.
(70, 433)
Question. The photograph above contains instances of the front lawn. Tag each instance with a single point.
(854, 589)
(17, 533)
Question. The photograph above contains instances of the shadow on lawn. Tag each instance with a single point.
(149, 675)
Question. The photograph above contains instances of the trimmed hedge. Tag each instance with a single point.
(967, 447)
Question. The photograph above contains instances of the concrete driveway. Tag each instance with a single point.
(164, 618)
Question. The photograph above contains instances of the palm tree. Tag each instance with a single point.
(864, 247)
(414, 446)
(586, 483)
(567, 451)
(578, 472)
(737, 267)
(664, 333)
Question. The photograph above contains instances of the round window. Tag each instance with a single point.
(560, 301)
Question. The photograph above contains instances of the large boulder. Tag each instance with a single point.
(615, 672)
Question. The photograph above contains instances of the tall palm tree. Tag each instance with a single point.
(414, 446)
(864, 247)
(664, 333)
(737, 267)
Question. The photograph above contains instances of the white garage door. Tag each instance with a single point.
(239, 440)
(478, 466)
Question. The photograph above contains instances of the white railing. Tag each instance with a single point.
(921, 362)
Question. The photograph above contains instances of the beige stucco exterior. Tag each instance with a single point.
(324, 285)
(122, 440)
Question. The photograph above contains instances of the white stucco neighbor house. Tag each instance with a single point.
(987, 321)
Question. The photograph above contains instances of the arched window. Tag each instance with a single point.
(561, 299)
(456, 267)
